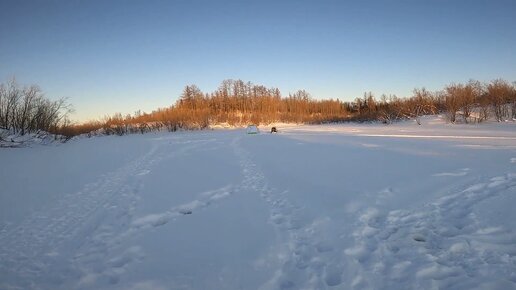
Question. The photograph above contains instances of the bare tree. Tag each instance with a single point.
(3, 102)
(499, 93)
(29, 101)
(484, 107)
(452, 101)
(512, 101)
(468, 96)
(422, 104)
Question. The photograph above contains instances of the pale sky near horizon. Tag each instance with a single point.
(120, 56)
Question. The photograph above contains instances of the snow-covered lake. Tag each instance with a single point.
(313, 207)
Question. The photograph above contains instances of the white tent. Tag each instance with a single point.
(252, 129)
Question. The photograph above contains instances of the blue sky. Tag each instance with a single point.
(120, 56)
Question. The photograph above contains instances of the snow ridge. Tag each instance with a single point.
(204, 200)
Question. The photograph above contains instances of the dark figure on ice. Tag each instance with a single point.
(273, 130)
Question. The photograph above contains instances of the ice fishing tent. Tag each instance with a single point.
(252, 129)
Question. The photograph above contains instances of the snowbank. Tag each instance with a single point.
(13, 140)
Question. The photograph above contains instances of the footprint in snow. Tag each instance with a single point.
(460, 172)
(323, 247)
(129, 255)
(154, 220)
(333, 276)
(419, 238)
(143, 172)
(287, 285)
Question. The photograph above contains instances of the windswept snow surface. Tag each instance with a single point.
(313, 207)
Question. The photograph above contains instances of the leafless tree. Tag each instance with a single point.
(499, 93)
(452, 101)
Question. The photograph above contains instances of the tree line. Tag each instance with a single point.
(238, 103)
(234, 103)
(472, 102)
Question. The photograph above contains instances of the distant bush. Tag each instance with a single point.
(70, 130)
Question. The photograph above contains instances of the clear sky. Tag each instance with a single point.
(120, 56)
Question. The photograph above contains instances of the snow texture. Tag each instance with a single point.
(313, 207)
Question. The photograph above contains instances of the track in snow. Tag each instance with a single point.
(72, 240)
(348, 235)
(441, 245)
(307, 259)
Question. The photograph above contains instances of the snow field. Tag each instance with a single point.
(312, 207)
